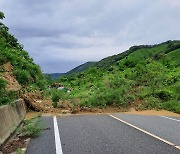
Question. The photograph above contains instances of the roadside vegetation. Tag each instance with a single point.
(6, 96)
(27, 73)
(31, 127)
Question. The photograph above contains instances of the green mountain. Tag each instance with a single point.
(76, 70)
(80, 68)
(110, 61)
(54, 75)
(26, 72)
(144, 77)
(146, 51)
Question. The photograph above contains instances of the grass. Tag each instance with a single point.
(171, 106)
(175, 56)
(32, 127)
(19, 151)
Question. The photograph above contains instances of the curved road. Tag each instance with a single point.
(104, 134)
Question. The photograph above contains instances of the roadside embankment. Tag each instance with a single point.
(10, 118)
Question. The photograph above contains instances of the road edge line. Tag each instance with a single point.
(57, 137)
(170, 118)
(152, 135)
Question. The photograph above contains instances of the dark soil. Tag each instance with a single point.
(14, 145)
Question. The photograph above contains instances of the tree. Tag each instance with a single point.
(2, 15)
(55, 98)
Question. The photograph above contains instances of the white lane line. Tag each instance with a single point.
(57, 137)
(161, 139)
(170, 118)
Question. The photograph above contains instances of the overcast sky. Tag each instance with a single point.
(61, 34)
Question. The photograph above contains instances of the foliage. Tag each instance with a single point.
(55, 96)
(172, 106)
(1, 15)
(6, 96)
(19, 151)
(25, 70)
(143, 73)
(80, 68)
(31, 128)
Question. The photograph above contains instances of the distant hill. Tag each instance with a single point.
(54, 75)
(74, 71)
(80, 68)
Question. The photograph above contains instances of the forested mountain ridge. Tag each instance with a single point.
(109, 62)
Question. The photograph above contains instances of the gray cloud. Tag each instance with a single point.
(60, 35)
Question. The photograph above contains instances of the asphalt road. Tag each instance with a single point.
(96, 134)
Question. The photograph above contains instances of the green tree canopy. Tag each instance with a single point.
(2, 15)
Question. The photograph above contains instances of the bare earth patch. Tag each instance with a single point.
(153, 112)
(31, 114)
(9, 77)
(61, 112)
(14, 144)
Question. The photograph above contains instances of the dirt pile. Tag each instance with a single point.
(35, 102)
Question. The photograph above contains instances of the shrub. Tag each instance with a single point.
(4, 100)
(130, 63)
(121, 102)
(6, 96)
(164, 94)
(2, 84)
(42, 84)
(171, 106)
(55, 98)
(23, 77)
(31, 128)
(143, 92)
(150, 103)
(3, 59)
(172, 47)
(19, 151)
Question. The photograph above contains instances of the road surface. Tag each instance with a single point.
(106, 134)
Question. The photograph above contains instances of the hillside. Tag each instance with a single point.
(54, 75)
(110, 61)
(152, 50)
(80, 68)
(16, 67)
(74, 71)
(144, 77)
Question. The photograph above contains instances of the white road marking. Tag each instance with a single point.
(161, 139)
(57, 137)
(170, 118)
